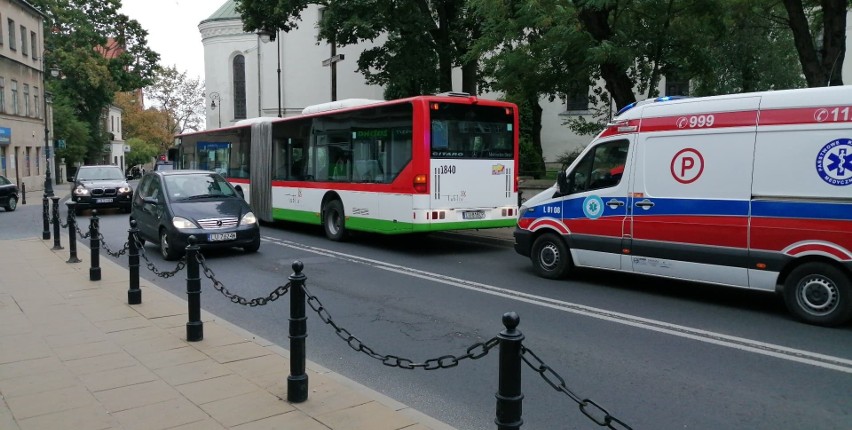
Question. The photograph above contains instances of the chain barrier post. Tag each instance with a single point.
(23, 193)
(56, 240)
(72, 233)
(134, 294)
(509, 396)
(297, 381)
(95, 246)
(194, 327)
(45, 234)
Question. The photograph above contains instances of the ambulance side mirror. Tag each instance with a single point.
(562, 182)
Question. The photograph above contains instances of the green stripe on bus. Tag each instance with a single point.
(390, 227)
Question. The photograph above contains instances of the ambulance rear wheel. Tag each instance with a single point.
(550, 257)
(819, 293)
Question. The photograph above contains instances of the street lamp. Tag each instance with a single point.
(48, 181)
(213, 97)
(268, 36)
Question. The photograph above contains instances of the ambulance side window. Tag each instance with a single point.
(602, 167)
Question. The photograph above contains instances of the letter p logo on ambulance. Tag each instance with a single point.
(834, 162)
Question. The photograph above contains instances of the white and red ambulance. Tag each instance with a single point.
(746, 190)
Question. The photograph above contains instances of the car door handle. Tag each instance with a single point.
(615, 203)
(645, 204)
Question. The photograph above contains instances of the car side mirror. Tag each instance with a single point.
(563, 183)
(240, 192)
(150, 200)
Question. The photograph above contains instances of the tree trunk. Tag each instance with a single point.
(824, 67)
(536, 135)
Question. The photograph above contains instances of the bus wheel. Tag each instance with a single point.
(333, 219)
(819, 293)
(550, 257)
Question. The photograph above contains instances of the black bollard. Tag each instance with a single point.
(194, 327)
(45, 208)
(134, 294)
(23, 193)
(509, 396)
(297, 381)
(56, 244)
(72, 233)
(95, 246)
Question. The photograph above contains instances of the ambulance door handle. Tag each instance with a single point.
(645, 204)
(615, 203)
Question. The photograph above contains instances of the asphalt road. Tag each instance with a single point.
(657, 354)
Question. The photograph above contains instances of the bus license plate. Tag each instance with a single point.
(103, 200)
(218, 237)
(473, 215)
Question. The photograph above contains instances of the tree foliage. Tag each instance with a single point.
(821, 60)
(145, 126)
(99, 51)
(180, 97)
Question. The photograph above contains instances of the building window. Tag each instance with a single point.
(33, 45)
(12, 45)
(239, 87)
(1, 29)
(577, 102)
(36, 106)
(676, 86)
(2, 94)
(37, 159)
(14, 97)
(24, 41)
(27, 161)
(27, 99)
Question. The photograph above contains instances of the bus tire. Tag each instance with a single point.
(550, 257)
(819, 293)
(334, 220)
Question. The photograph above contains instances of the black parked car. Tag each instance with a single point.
(97, 187)
(8, 194)
(171, 205)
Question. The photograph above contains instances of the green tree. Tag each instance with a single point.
(68, 127)
(821, 61)
(141, 152)
(99, 52)
(146, 127)
(424, 40)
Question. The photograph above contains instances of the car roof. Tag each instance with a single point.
(93, 166)
(182, 172)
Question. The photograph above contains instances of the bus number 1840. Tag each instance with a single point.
(445, 170)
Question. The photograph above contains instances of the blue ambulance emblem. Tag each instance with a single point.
(593, 207)
(834, 162)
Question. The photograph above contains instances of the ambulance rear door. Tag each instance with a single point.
(691, 188)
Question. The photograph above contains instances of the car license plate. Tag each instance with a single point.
(103, 200)
(218, 237)
(473, 215)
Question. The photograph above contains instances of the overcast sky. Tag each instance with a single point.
(172, 27)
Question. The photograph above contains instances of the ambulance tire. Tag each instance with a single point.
(550, 257)
(819, 293)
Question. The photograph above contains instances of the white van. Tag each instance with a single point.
(747, 190)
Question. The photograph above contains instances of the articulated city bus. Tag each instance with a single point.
(421, 164)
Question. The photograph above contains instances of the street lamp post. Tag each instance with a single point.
(268, 36)
(48, 181)
(214, 96)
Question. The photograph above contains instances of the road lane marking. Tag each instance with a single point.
(740, 343)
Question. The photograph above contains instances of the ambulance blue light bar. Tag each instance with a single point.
(646, 101)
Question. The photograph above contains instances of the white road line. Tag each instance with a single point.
(743, 344)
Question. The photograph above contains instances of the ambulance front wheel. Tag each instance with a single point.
(819, 293)
(550, 257)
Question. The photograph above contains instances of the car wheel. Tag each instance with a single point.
(333, 220)
(253, 246)
(166, 248)
(12, 204)
(819, 293)
(550, 257)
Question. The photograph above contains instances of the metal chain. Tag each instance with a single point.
(589, 408)
(180, 265)
(80, 234)
(110, 252)
(276, 294)
(474, 352)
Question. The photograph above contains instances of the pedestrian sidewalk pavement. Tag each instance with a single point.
(75, 355)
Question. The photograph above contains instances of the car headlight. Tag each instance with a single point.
(182, 223)
(125, 190)
(521, 211)
(248, 219)
(81, 191)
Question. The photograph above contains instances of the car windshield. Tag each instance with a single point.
(96, 173)
(181, 187)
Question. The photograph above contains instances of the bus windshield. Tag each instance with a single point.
(474, 132)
